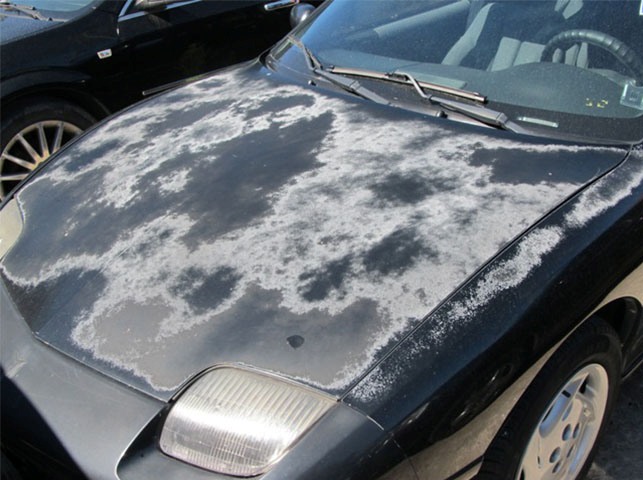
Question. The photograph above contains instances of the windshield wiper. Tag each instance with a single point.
(25, 9)
(478, 112)
(347, 84)
(405, 78)
(485, 115)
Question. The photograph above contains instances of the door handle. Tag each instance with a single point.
(270, 6)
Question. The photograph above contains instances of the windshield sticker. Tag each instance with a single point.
(632, 96)
(103, 54)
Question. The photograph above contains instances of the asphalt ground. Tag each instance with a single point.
(620, 455)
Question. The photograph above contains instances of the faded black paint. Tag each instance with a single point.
(203, 290)
(234, 191)
(320, 282)
(51, 299)
(520, 166)
(403, 188)
(396, 253)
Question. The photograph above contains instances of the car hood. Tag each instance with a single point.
(242, 219)
(14, 25)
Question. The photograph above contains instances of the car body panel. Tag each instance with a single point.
(139, 51)
(183, 41)
(16, 25)
(269, 189)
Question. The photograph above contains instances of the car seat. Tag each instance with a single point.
(499, 36)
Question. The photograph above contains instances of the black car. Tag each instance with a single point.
(406, 243)
(67, 63)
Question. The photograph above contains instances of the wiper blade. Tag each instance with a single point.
(25, 9)
(405, 78)
(347, 84)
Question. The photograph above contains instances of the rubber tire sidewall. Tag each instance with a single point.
(594, 342)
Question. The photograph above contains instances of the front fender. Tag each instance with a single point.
(40, 79)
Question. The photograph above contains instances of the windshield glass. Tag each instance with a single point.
(568, 67)
(56, 6)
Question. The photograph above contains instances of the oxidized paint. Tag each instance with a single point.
(218, 222)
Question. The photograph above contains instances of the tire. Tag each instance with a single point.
(32, 130)
(553, 431)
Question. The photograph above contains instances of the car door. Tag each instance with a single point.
(184, 39)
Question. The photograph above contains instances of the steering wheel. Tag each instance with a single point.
(624, 54)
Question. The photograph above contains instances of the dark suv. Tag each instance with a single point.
(67, 63)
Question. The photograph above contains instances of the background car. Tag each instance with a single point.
(67, 63)
(404, 243)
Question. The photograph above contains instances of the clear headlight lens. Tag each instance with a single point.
(10, 226)
(239, 422)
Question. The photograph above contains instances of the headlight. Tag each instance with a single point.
(239, 422)
(10, 226)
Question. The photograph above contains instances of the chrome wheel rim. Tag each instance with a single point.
(29, 148)
(566, 433)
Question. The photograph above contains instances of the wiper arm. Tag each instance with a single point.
(26, 9)
(347, 84)
(311, 59)
(485, 115)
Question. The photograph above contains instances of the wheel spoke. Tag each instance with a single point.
(591, 403)
(30, 150)
(574, 386)
(58, 139)
(14, 177)
(559, 410)
(44, 147)
(19, 161)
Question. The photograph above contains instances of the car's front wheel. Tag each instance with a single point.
(553, 431)
(32, 130)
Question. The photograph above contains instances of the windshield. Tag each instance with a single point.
(565, 67)
(57, 5)
(57, 8)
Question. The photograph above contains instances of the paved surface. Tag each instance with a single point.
(620, 455)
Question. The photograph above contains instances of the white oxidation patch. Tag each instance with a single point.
(510, 273)
(332, 213)
(595, 201)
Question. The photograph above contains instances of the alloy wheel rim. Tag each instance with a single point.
(566, 433)
(30, 147)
